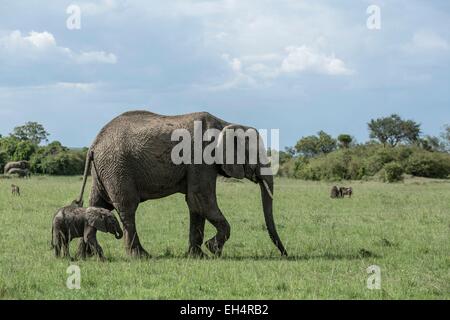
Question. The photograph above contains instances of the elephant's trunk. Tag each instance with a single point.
(118, 233)
(266, 185)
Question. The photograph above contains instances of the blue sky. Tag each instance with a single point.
(298, 66)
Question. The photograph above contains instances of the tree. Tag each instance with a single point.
(290, 151)
(431, 143)
(326, 142)
(31, 131)
(445, 135)
(55, 159)
(24, 151)
(312, 146)
(307, 146)
(284, 157)
(410, 131)
(345, 140)
(9, 146)
(392, 130)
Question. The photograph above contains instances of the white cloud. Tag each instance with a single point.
(239, 77)
(34, 41)
(262, 69)
(39, 40)
(305, 59)
(42, 45)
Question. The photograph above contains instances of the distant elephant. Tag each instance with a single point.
(335, 192)
(74, 222)
(131, 163)
(344, 191)
(16, 165)
(22, 173)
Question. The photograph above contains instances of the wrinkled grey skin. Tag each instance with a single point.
(22, 173)
(74, 222)
(131, 159)
(16, 165)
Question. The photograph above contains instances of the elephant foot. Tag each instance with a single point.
(139, 253)
(196, 253)
(86, 252)
(214, 247)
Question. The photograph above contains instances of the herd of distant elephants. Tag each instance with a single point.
(18, 168)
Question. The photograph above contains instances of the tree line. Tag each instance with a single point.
(396, 147)
(30, 142)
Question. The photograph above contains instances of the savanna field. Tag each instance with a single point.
(403, 228)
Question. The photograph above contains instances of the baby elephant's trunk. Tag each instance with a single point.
(119, 233)
(117, 230)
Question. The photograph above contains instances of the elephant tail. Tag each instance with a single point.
(87, 168)
(52, 243)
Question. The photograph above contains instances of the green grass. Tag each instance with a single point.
(403, 228)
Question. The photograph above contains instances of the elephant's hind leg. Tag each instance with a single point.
(132, 244)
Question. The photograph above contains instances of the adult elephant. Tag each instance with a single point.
(21, 173)
(132, 163)
(16, 165)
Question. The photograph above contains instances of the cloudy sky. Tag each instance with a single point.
(300, 66)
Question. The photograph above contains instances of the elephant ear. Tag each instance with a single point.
(227, 150)
(95, 218)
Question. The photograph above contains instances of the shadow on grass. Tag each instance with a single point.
(361, 254)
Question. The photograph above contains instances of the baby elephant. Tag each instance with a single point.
(74, 222)
(346, 192)
(15, 190)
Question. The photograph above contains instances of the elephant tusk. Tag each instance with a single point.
(267, 188)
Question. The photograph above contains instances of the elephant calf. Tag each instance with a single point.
(74, 222)
(346, 192)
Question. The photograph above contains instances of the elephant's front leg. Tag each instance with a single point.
(207, 205)
(90, 238)
(216, 243)
(196, 234)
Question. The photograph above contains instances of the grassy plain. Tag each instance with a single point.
(403, 228)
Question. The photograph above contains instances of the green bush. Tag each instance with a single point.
(55, 159)
(428, 164)
(393, 172)
(3, 160)
(64, 163)
(24, 151)
(369, 160)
